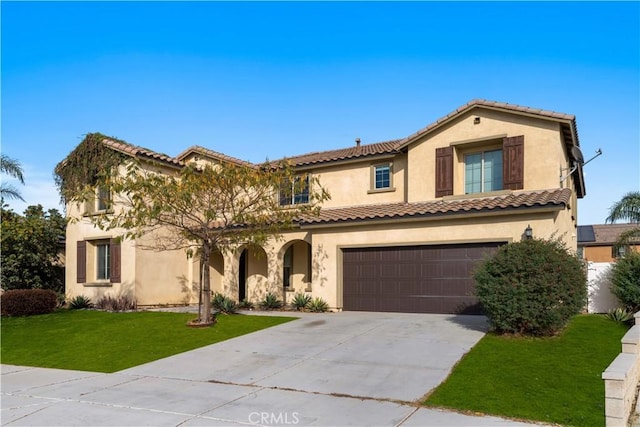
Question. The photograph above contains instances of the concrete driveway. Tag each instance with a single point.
(323, 369)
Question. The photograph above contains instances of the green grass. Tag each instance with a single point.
(88, 340)
(556, 380)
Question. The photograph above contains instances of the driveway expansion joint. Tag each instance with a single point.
(345, 395)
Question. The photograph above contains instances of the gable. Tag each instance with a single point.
(513, 133)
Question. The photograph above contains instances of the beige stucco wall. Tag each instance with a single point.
(171, 278)
(328, 243)
(162, 277)
(82, 229)
(543, 152)
(350, 184)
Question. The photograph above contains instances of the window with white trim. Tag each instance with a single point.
(295, 192)
(382, 176)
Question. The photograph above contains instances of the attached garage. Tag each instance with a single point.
(412, 279)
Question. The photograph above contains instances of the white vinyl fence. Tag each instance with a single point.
(600, 298)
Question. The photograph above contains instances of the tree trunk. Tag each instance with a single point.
(205, 316)
(200, 289)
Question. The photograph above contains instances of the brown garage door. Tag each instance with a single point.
(412, 279)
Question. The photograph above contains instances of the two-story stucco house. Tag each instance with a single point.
(406, 222)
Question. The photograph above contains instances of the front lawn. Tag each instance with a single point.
(89, 340)
(556, 380)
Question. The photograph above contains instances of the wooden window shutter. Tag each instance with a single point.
(115, 255)
(444, 171)
(81, 262)
(513, 163)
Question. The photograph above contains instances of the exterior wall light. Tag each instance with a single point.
(528, 233)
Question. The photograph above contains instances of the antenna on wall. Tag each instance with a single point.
(578, 160)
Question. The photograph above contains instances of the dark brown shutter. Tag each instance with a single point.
(444, 171)
(115, 255)
(513, 163)
(81, 262)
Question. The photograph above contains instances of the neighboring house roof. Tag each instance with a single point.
(602, 234)
(196, 149)
(443, 207)
(349, 153)
(136, 151)
(586, 234)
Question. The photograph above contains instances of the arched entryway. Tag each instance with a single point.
(252, 274)
(296, 267)
(216, 274)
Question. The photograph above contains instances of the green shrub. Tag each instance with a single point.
(80, 302)
(620, 315)
(318, 305)
(301, 301)
(531, 287)
(122, 303)
(224, 304)
(271, 302)
(625, 280)
(27, 302)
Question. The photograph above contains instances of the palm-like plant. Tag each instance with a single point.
(627, 209)
(11, 167)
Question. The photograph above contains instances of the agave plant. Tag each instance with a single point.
(270, 302)
(620, 315)
(224, 304)
(301, 301)
(79, 302)
(318, 305)
(245, 304)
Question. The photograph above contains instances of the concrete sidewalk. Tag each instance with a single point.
(327, 370)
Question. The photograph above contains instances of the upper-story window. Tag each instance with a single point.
(295, 192)
(382, 176)
(483, 172)
(103, 199)
(485, 168)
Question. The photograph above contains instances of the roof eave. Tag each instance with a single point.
(434, 216)
(569, 119)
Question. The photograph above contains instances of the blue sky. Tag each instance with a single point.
(265, 80)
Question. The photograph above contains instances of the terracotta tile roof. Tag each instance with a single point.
(135, 151)
(443, 207)
(212, 154)
(353, 152)
(606, 234)
(499, 106)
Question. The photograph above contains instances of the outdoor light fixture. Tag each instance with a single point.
(528, 232)
(476, 120)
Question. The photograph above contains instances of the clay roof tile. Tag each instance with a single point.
(442, 207)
